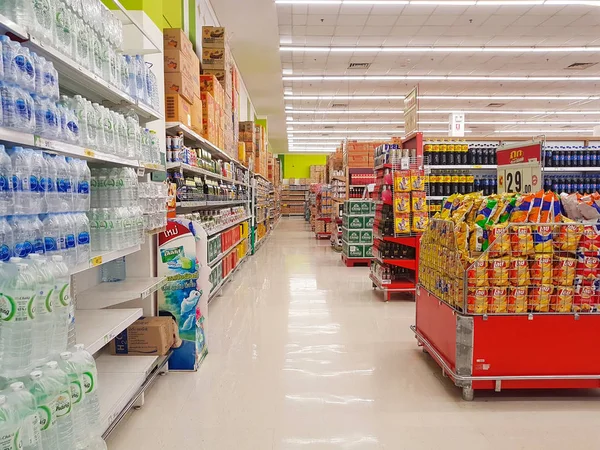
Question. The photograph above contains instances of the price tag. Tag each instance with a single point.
(89, 153)
(96, 261)
(519, 168)
(141, 171)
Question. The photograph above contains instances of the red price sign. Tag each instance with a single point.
(519, 168)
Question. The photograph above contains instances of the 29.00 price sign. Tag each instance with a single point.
(519, 168)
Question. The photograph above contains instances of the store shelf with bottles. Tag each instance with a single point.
(189, 169)
(195, 140)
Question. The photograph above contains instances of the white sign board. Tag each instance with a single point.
(456, 127)
(411, 111)
(520, 168)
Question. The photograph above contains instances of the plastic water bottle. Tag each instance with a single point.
(87, 132)
(81, 428)
(97, 443)
(43, 17)
(69, 121)
(43, 325)
(24, 403)
(52, 234)
(64, 419)
(61, 302)
(83, 189)
(114, 271)
(39, 171)
(47, 120)
(10, 437)
(91, 403)
(9, 54)
(6, 174)
(64, 183)
(133, 137)
(99, 121)
(22, 171)
(109, 130)
(82, 227)
(6, 240)
(18, 314)
(70, 238)
(44, 392)
(63, 31)
(49, 184)
(141, 86)
(17, 108)
(37, 232)
(23, 236)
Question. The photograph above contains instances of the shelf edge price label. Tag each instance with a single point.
(96, 261)
(520, 168)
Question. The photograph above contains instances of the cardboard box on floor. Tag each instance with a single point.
(147, 336)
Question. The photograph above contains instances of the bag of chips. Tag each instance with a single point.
(419, 201)
(521, 240)
(519, 272)
(540, 297)
(585, 299)
(485, 212)
(402, 202)
(564, 271)
(417, 180)
(562, 301)
(542, 238)
(420, 220)
(499, 271)
(536, 207)
(590, 240)
(499, 240)
(517, 300)
(448, 206)
(587, 271)
(402, 181)
(497, 303)
(569, 236)
(462, 237)
(477, 239)
(477, 301)
(546, 209)
(541, 269)
(402, 223)
(521, 210)
(477, 273)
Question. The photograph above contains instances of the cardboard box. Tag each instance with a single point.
(355, 251)
(351, 236)
(215, 59)
(366, 237)
(368, 251)
(176, 39)
(356, 223)
(197, 116)
(177, 109)
(179, 83)
(146, 336)
(213, 37)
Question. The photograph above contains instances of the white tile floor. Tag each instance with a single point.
(304, 355)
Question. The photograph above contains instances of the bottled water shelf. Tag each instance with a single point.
(77, 79)
(97, 327)
(225, 253)
(224, 203)
(105, 295)
(99, 258)
(173, 128)
(186, 168)
(210, 233)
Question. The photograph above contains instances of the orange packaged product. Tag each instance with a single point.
(499, 241)
(402, 202)
(546, 213)
(477, 301)
(402, 181)
(536, 207)
(562, 300)
(419, 201)
(417, 180)
(585, 299)
(498, 271)
(521, 240)
(521, 211)
(477, 273)
(519, 272)
(587, 271)
(542, 238)
(590, 240)
(517, 300)
(541, 269)
(564, 271)
(497, 302)
(540, 297)
(569, 237)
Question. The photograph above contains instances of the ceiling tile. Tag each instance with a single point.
(445, 20)
(404, 31)
(347, 31)
(376, 31)
(381, 20)
(352, 20)
(322, 19)
(356, 9)
(299, 19)
(320, 31)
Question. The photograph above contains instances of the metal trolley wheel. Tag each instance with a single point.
(468, 394)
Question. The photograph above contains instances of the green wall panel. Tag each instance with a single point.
(298, 166)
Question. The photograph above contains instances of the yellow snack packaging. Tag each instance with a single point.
(402, 202)
(499, 241)
(562, 300)
(417, 180)
(517, 300)
(497, 303)
(477, 273)
(402, 181)
(419, 201)
(499, 271)
(519, 272)
(541, 269)
(540, 297)
(402, 223)
(521, 240)
(477, 300)
(420, 220)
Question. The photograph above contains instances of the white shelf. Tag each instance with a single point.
(99, 258)
(464, 167)
(437, 197)
(97, 327)
(104, 295)
(225, 253)
(191, 169)
(227, 226)
(202, 204)
(119, 379)
(173, 128)
(229, 275)
(571, 169)
(262, 177)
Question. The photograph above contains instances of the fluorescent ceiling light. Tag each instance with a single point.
(341, 111)
(434, 49)
(350, 122)
(438, 111)
(543, 131)
(443, 97)
(306, 150)
(441, 2)
(434, 78)
(445, 122)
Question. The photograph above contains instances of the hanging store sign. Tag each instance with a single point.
(411, 111)
(456, 127)
(519, 168)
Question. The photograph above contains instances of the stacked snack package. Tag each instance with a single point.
(410, 200)
(515, 253)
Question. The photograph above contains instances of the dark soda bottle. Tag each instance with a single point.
(569, 154)
(556, 158)
(555, 185)
(450, 159)
(470, 183)
(579, 185)
(547, 183)
(593, 157)
(494, 185)
(477, 184)
(486, 186)
(443, 153)
(568, 185)
(586, 157)
(548, 157)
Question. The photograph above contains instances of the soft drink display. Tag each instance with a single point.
(583, 183)
(571, 156)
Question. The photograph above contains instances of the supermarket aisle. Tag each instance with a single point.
(303, 355)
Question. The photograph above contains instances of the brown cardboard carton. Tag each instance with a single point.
(177, 109)
(197, 116)
(213, 37)
(215, 59)
(178, 61)
(179, 83)
(176, 39)
(146, 336)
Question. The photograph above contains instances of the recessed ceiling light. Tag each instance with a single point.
(436, 78)
(434, 49)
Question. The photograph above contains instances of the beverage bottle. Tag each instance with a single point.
(6, 175)
(141, 87)
(70, 239)
(44, 392)
(21, 163)
(37, 232)
(91, 402)
(63, 134)
(83, 187)
(24, 235)
(64, 420)
(64, 183)
(569, 157)
(6, 240)
(74, 373)
(20, 114)
(25, 406)
(52, 234)
(562, 157)
(73, 168)
(43, 326)
(109, 130)
(586, 157)
(547, 183)
(42, 20)
(63, 28)
(19, 290)
(49, 184)
(9, 59)
(10, 426)
(548, 157)
(38, 173)
(38, 64)
(86, 130)
(100, 130)
(61, 302)
(97, 443)
(82, 226)
(594, 157)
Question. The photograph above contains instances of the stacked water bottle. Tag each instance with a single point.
(153, 200)
(116, 218)
(87, 32)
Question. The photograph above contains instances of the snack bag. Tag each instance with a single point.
(402, 181)
(499, 241)
(517, 300)
(587, 271)
(477, 301)
(497, 302)
(448, 207)
(477, 239)
(590, 240)
(519, 272)
(402, 223)
(495, 216)
(462, 237)
(485, 212)
(541, 269)
(419, 201)
(564, 271)
(402, 202)
(562, 300)
(546, 209)
(521, 210)
(540, 297)
(569, 236)
(498, 271)
(521, 240)
(420, 220)
(477, 201)
(509, 206)
(557, 215)
(417, 180)
(585, 299)
(536, 207)
(477, 273)
(542, 238)
(459, 214)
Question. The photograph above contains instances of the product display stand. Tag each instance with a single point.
(357, 232)
(262, 206)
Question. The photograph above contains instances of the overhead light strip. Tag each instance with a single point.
(440, 2)
(433, 111)
(544, 131)
(434, 49)
(443, 97)
(436, 78)
(441, 122)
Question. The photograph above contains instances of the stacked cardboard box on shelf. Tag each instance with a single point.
(357, 228)
(246, 134)
(359, 154)
(254, 138)
(182, 85)
(213, 97)
(335, 162)
(317, 174)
